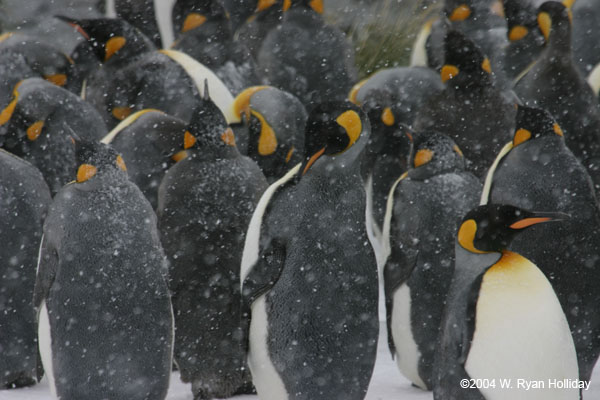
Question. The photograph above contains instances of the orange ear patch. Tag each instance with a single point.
(34, 131)
(317, 5)
(466, 236)
(121, 113)
(192, 21)
(460, 13)
(557, 129)
(486, 66)
(522, 135)
(422, 157)
(286, 5)
(85, 172)
(313, 159)
(267, 141)
(113, 45)
(387, 117)
(448, 72)
(7, 113)
(517, 33)
(264, 4)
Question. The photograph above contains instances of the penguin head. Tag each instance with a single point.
(338, 130)
(208, 127)
(532, 123)
(554, 21)
(276, 122)
(521, 20)
(114, 41)
(434, 153)
(464, 64)
(191, 14)
(492, 227)
(97, 160)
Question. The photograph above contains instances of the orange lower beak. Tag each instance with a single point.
(313, 159)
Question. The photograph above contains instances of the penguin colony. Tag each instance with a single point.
(231, 205)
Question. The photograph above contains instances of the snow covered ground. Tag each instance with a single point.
(387, 384)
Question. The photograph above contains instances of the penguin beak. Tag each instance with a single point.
(313, 159)
(538, 218)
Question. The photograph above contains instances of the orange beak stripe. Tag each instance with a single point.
(524, 223)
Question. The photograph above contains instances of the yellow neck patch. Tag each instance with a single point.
(422, 157)
(267, 141)
(387, 117)
(460, 13)
(545, 24)
(557, 129)
(85, 172)
(57, 79)
(7, 113)
(286, 5)
(113, 45)
(179, 156)
(521, 135)
(188, 140)
(192, 21)
(466, 236)
(317, 5)
(228, 137)
(121, 163)
(517, 33)
(264, 4)
(448, 72)
(458, 150)
(34, 131)
(241, 104)
(351, 122)
(486, 65)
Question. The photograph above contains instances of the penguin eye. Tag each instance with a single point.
(350, 121)
(192, 21)
(189, 140)
(422, 157)
(267, 141)
(264, 4)
(113, 45)
(121, 163)
(34, 131)
(387, 117)
(517, 33)
(85, 172)
(228, 137)
(317, 5)
(522, 135)
(460, 13)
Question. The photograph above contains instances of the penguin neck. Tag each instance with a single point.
(213, 151)
(104, 179)
(559, 44)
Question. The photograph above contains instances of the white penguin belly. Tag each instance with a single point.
(265, 377)
(45, 346)
(407, 352)
(521, 335)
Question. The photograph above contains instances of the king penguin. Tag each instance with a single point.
(424, 209)
(309, 275)
(555, 84)
(104, 313)
(24, 201)
(503, 321)
(141, 14)
(476, 114)
(36, 125)
(205, 204)
(539, 171)
(275, 121)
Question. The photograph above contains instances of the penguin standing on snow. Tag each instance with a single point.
(104, 313)
(36, 126)
(502, 308)
(24, 201)
(309, 275)
(471, 109)
(424, 210)
(205, 204)
(555, 84)
(539, 171)
(276, 122)
(150, 143)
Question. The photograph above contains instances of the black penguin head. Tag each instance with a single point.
(532, 123)
(113, 41)
(208, 127)
(464, 62)
(521, 19)
(492, 227)
(276, 122)
(554, 21)
(97, 160)
(433, 154)
(336, 129)
(191, 14)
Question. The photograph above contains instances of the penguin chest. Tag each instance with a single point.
(265, 377)
(521, 333)
(407, 353)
